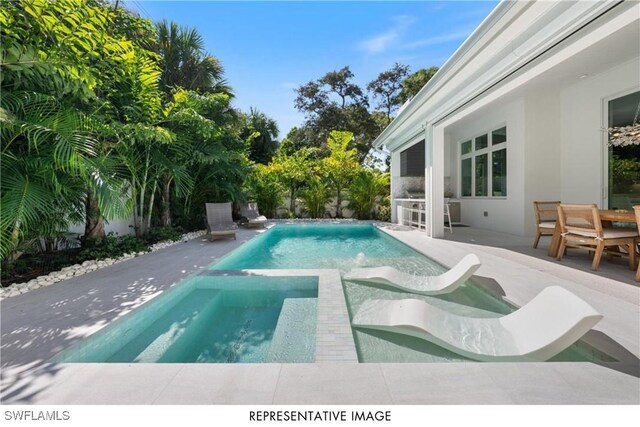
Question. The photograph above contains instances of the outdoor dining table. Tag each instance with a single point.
(606, 216)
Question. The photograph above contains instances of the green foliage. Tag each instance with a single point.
(113, 246)
(384, 208)
(185, 63)
(292, 171)
(215, 159)
(386, 88)
(315, 195)
(416, 81)
(48, 160)
(260, 132)
(148, 137)
(162, 234)
(335, 102)
(624, 174)
(264, 188)
(341, 165)
(365, 191)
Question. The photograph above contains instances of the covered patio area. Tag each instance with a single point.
(576, 265)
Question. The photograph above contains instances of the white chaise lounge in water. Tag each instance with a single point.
(425, 285)
(539, 330)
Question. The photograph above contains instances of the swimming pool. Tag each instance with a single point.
(346, 246)
(213, 319)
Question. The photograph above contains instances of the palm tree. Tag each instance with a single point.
(185, 63)
(262, 133)
(48, 161)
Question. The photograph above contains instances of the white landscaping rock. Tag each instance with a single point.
(86, 267)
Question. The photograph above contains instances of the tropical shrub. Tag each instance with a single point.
(163, 234)
(365, 190)
(315, 195)
(292, 171)
(340, 166)
(263, 187)
(113, 246)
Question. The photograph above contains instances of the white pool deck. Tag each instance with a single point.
(37, 325)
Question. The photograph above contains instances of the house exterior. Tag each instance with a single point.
(519, 113)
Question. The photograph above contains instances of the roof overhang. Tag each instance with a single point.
(513, 36)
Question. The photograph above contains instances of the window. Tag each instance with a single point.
(483, 165)
(466, 177)
(499, 173)
(499, 136)
(481, 142)
(412, 160)
(465, 147)
(481, 175)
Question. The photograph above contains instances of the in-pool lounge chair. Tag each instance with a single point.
(251, 216)
(539, 330)
(220, 221)
(425, 285)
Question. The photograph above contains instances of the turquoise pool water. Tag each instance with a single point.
(347, 246)
(213, 319)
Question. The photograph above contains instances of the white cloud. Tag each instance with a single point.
(379, 43)
(383, 41)
(435, 40)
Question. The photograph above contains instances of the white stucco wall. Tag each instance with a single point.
(119, 226)
(583, 112)
(542, 164)
(503, 214)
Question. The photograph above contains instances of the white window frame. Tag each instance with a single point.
(488, 150)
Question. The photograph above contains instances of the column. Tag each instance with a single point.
(434, 179)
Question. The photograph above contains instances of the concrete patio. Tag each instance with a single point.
(37, 325)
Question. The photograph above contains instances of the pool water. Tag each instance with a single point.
(335, 246)
(219, 319)
(347, 246)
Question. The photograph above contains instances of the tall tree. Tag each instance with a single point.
(207, 162)
(335, 102)
(416, 81)
(261, 132)
(387, 86)
(186, 65)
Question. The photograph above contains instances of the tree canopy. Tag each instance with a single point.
(335, 102)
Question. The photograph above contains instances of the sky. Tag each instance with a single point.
(270, 48)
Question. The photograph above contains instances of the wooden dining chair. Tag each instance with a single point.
(581, 228)
(546, 217)
(637, 210)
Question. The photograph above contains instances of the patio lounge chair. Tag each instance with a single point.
(542, 328)
(251, 216)
(220, 221)
(425, 285)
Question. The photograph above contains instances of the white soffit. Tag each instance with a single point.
(502, 44)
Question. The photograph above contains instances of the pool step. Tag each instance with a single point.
(157, 337)
(294, 338)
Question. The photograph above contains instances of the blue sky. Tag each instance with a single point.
(269, 48)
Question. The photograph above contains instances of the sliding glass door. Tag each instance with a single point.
(624, 152)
